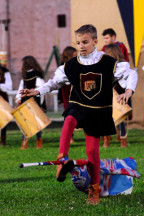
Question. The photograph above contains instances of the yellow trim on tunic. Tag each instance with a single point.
(70, 91)
(31, 78)
(115, 67)
(94, 107)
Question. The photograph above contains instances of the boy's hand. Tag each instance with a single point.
(123, 98)
(28, 92)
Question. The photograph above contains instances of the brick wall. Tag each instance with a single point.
(33, 31)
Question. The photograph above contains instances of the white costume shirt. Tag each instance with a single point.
(7, 85)
(128, 80)
(39, 82)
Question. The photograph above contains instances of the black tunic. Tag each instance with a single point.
(30, 82)
(4, 94)
(91, 95)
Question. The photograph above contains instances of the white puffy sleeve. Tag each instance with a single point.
(128, 77)
(39, 82)
(7, 86)
(57, 82)
(18, 95)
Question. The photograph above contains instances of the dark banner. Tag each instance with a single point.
(127, 14)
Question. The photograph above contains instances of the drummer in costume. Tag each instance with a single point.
(67, 54)
(32, 77)
(110, 37)
(90, 105)
(5, 85)
(114, 51)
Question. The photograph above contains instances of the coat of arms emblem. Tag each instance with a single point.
(91, 84)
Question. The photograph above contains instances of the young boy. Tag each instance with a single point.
(109, 36)
(90, 104)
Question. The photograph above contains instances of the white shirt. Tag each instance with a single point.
(7, 85)
(128, 80)
(39, 82)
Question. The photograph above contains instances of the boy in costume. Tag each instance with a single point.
(109, 36)
(90, 105)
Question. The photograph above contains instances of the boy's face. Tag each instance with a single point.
(109, 39)
(85, 43)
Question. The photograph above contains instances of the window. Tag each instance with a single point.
(61, 20)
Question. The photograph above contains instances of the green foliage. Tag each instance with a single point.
(34, 191)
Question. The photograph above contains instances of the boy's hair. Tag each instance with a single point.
(67, 54)
(87, 29)
(109, 31)
(70, 49)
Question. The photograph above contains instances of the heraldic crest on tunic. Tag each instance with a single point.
(91, 84)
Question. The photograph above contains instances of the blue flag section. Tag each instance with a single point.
(116, 176)
(126, 8)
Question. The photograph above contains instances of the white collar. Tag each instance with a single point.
(30, 70)
(89, 56)
(92, 58)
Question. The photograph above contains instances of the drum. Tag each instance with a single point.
(30, 118)
(120, 112)
(3, 58)
(5, 113)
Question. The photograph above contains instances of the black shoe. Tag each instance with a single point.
(67, 167)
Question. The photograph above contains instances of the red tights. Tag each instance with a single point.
(92, 147)
(92, 151)
(66, 134)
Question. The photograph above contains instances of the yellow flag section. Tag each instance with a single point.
(138, 27)
(102, 14)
